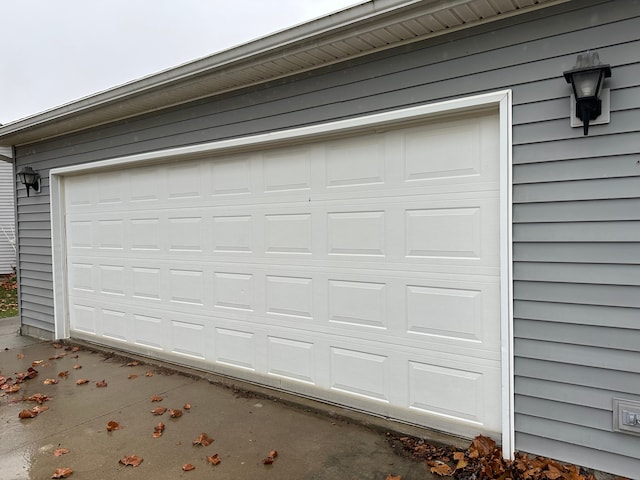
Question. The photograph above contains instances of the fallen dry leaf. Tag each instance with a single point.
(13, 388)
(27, 414)
(75, 349)
(77, 367)
(132, 460)
(111, 426)
(187, 467)
(214, 459)
(35, 363)
(157, 430)
(187, 406)
(62, 473)
(156, 398)
(203, 439)
(37, 397)
(267, 461)
(270, 458)
(133, 364)
(50, 381)
(57, 345)
(58, 452)
(20, 356)
(63, 374)
(133, 376)
(148, 374)
(82, 381)
(440, 468)
(101, 383)
(39, 408)
(175, 412)
(393, 477)
(159, 410)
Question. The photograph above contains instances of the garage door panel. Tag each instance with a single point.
(362, 270)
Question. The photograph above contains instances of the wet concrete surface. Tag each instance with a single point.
(245, 426)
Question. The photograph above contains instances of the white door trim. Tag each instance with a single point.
(500, 99)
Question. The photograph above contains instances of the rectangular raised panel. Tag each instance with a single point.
(232, 234)
(80, 233)
(148, 331)
(289, 296)
(188, 338)
(360, 373)
(230, 176)
(446, 391)
(114, 324)
(233, 290)
(183, 181)
(145, 234)
(356, 233)
(81, 276)
(80, 191)
(291, 359)
(112, 279)
(235, 348)
(83, 318)
(288, 233)
(186, 286)
(110, 234)
(144, 184)
(286, 169)
(355, 162)
(442, 152)
(444, 312)
(357, 303)
(110, 188)
(443, 232)
(185, 234)
(146, 283)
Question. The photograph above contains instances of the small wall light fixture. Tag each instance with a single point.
(586, 79)
(29, 179)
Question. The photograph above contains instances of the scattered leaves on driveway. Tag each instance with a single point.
(159, 410)
(101, 383)
(214, 459)
(187, 467)
(62, 473)
(82, 381)
(58, 452)
(203, 439)
(111, 426)
(175, 412)
(132, 460)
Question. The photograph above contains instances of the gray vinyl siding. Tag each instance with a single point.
(576, 215)
(7, 218)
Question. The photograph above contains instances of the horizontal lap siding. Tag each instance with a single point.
(7, 213)
(576, 225)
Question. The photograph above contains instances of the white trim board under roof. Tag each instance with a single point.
(359, 30)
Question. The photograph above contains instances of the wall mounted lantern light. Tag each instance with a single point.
(29, 179)
(586, 79)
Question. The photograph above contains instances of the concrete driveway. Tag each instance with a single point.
(313, 441)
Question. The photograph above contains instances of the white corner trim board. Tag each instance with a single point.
(360, 262)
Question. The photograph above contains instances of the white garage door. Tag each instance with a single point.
(361, 270)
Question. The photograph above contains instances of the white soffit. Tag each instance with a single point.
(365, 28)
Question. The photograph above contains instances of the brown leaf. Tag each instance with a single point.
(77, 367)
(35, 363)
(75, 349)
(156, 398)
(37, 397)
(27, 414)
(156, 434)
(157, 430)
(484, 445)
(133, 364)
(82, 381)
(214, 459)
(175, 412)
(13, 389)
(267, 461)
(159, 410)
(62, 473)
(57, 345)
(187, 467)
(101, 383)
(60, 451)
(148, 374)
(111, 426)
(133, 376)
(393, 477)
(39, 408)
(20, 356)
(187, 406)
(552, 473)
(50, 381)
(132, 460)
(32, 372)
(273, 453)
(203, 439)
(63, 374)
(440, 468)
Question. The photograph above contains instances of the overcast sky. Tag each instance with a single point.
(56, 51)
